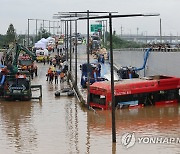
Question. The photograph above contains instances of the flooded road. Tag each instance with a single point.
(62, 126)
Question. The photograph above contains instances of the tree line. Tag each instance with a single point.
(11, 36)
(118, 43)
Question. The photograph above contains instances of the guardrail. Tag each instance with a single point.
(154, 49)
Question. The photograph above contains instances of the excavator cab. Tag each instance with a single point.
(18, 86)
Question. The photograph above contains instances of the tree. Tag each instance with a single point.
(2, 40)
(10, 34)
(43, 33)
(118, 43)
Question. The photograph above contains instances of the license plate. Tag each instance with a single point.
(16, 91)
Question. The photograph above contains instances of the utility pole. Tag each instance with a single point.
(70, 45)
(137, 31)
(121, 30)
(112, 82)
(36, 30)
(88, 73)
(67, 41)
(28, 34)
(160, 31)
(75, 53)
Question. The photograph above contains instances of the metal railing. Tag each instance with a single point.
(154, 49)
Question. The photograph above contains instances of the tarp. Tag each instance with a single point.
(43, 40)
(50, 39)
(40, 44)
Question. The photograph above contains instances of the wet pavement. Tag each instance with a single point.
(61, 125)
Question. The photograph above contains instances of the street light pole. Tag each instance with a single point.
(67, 41)
(75, 54)
(160, 31)
(70, 44)
(88, 73)
(36, 30)
(106, 35)
(28, 33)
(49, 26)
(65, 35)
(112, 82)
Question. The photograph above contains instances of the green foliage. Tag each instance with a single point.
(10, 34)
(43, 33)
(118, 43)
(2, 40)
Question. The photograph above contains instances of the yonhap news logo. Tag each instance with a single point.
(129, 139)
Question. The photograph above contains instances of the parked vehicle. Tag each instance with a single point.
(137, 92)
(79, 41)
(41, 54)
(18, 87)
(15, 83)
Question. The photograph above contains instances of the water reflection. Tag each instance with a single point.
(160, 118)
(61, 125)
(16, 123)
(148, 121)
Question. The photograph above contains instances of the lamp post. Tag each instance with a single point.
(76, 54)
(37, 27)
(111, 61)
(70, 45)
(28, 32)
(67, 39)
(112, 81)
(160, 31)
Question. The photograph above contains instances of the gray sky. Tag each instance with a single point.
(18, 11)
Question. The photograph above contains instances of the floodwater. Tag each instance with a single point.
(62, 126)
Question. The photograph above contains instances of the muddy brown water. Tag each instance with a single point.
(61, 125)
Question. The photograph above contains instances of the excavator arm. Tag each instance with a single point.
(18, 49)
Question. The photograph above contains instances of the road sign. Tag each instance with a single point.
(96, 27)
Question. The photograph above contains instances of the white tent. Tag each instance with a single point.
(45, 41)
(50, 39)
(40, 44)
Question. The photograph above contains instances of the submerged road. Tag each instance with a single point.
(61, 125)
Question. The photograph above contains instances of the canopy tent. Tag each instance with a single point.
(50, 39)
(45, 41)
(40, 44)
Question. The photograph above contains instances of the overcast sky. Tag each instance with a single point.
(18, 11)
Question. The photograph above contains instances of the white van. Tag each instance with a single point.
(40, 54)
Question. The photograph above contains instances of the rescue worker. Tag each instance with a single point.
(35, 70)
(44, 60)
(62, 77)
(51, 77)
(56, 77)
(48, 74)
(32, 72)
(48, 59)
(62, 74)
